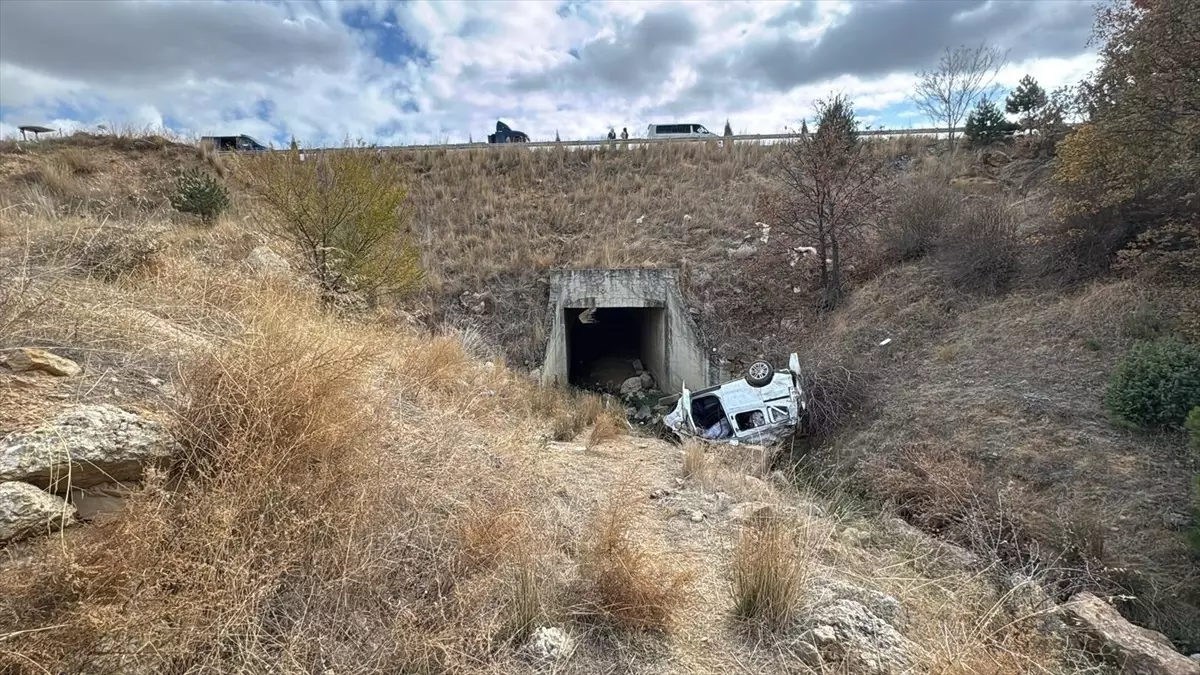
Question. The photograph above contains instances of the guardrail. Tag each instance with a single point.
(633, 142)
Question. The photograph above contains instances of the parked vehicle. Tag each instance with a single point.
(762, 408)
(505, 134)
(240, 143)
(678, 131)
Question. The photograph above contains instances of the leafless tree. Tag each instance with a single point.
(963, 75)
(826, 191)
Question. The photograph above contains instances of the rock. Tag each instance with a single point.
(631, 386)
(852, 536)
(476, 303)
(643, 414)
(660, 494)
(977, 184)
(1136, 650)
(26, 510)
(550, 642)
(39, 360)
(647, 380)
(263, 261)
(1028, 600)
(697, 516)
(748, 511)
(1175, 520)
(846, 635)
(101, 501)
(882, 605)
(955, 556)
(742, 251)
(86, 445)
(637, 366)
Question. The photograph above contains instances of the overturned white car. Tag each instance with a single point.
(762, 408)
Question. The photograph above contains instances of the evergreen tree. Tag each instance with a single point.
(835, 119)
(986, 124)
(728, 129)
(1026, 100)
(556, 138)
(803, 127)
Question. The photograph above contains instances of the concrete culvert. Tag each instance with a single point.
(608, 323)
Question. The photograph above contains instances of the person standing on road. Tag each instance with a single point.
(612, 134)
(624, 133)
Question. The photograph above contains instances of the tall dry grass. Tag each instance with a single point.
(773, 564)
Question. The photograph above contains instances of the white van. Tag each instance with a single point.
(764, 407)
(678, 131)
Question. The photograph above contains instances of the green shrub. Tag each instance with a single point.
(198, 192)
(344, 209)
(1155, 385)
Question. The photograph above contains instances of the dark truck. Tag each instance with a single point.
(241, 143)
(504, 134)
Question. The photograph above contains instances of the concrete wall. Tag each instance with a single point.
(672, 350)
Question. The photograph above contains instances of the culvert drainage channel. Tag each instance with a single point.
(610, 325)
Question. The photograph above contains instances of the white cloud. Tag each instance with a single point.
(428, 71)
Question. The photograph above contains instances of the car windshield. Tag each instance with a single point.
(252, 142)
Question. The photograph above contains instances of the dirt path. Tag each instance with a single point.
(690, 524)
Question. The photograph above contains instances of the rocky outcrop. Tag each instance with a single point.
(84, 446)
(26, 510)
(265, 262)
(849, 638)
(40, 360)
(1135, 650)
(882, 605)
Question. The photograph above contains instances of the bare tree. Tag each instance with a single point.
(826, 193)
(963, 76)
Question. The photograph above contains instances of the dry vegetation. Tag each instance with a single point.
(356, 494)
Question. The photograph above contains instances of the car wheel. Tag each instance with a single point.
(759, 374)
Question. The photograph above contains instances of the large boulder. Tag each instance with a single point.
(847, 637)
(84, 446)
(26, 510)
(40, 360)
(631, 386)
(1135, 650)
(882, 605)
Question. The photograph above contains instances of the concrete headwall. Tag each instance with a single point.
(673, 351)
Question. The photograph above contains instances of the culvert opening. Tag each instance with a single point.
(604, 343)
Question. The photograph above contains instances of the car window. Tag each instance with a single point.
(777, 414)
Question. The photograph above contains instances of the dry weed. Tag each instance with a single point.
(607, 427)
(772, 566)
(623, 581)
(695, 461)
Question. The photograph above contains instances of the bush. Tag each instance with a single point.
(978, 252)
(105, 252)
(198, 192)
(986, 124)
(342, 209)
(771, 570)
(915, 220)
(1155, 385)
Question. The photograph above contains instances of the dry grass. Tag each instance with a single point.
(695, 461)
(623, 581)
(607, 427)
(771, 569)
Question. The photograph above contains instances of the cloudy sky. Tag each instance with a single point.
(418, 72)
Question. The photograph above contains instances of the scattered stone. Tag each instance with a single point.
(643, 414)
(660, 494)
(755, 483)
(26, 510)
(42, 361)
(845, 634)
(631, 386)
(637, 366)
(647, 380)
(476, 303)
(86, 445)
(550, 642)
(264, 261)
(1136, 650)
(697, 516)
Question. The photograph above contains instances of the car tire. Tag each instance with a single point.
(759, 374)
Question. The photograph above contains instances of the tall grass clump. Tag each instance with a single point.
(915, 219)
(343, 209)
(978, 252)
(624, 582)
(1156, 385)
(771, 571)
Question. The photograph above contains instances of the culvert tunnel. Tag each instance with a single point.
(605, 320)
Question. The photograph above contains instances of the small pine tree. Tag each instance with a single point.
(986, 124)
(200, 193)
(728, 129)
(836, 117)
(803, 127)
(1026, 100)
(556, 138)
(294, 146)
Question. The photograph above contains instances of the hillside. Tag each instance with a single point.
(385, 490)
